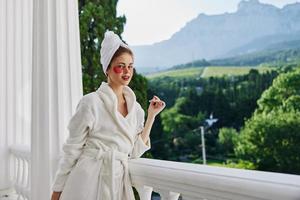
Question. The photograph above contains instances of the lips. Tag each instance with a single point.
(125, 77)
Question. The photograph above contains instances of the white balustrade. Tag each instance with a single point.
(21, 170)
(190, 181)
(195, 181)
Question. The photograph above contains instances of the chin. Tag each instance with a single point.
(125, 82)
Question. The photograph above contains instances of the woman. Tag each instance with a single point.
(106, 130)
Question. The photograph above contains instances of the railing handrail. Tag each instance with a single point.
(202, 181)
(22, 151)
(195, 181)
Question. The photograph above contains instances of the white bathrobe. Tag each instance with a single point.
(101, 140)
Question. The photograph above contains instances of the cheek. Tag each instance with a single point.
(117, 70)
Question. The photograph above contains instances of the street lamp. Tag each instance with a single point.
(210, 121)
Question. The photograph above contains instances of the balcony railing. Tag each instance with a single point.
(194, 181)
(21, 170)
(190, 181)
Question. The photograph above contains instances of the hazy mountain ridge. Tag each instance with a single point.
(273, 57)
(285, 52)
(264, 43)
(212, 37)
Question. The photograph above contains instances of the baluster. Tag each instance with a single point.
(29, 180)
(21, 165)
(173, 195)
(145, 192)
(168, 195)
(17, 173)
(19, 176)
(24, 176)
(13, 164)
(26, 184)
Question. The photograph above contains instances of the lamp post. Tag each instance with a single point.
(203, 145)
(210, 121)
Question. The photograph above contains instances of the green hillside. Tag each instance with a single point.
(178, 73)
(215, 71)
(230, 71)
(274, 57)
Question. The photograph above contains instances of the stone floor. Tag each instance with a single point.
(8, 194)
(11, 195)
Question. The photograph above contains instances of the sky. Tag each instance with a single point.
(151, 21)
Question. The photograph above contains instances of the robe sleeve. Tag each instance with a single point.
(79, 126)
(140, 147)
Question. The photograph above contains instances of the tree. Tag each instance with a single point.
(284, 94)
(95, 17)
(227, 140)
(174, 122)
(272, 141)
(271, 137)
(178, 131)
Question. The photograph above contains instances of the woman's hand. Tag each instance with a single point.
(55, 195)
(156, 106)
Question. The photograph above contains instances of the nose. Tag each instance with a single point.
(125, 69)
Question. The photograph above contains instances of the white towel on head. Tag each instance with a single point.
(109, 46)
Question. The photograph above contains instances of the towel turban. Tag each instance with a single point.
(109, 46)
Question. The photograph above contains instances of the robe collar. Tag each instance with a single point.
(110, 101)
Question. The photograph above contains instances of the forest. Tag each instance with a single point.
(258, 120)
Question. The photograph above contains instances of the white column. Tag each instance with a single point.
(15, 80)
(56, 86)
(27, 69)
(4, 182)
(7, 116)
(17, 74)
(10, 70)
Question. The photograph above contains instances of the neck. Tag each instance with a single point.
(118, 90)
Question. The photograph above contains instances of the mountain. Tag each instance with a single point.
(287, 52)
(270, 42)
(217, 36)
(274, 57)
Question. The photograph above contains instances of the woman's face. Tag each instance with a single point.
(120, 71)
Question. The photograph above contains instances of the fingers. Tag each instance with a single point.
(158, 103)
(156, 106)
(155, 101)
(155, 98)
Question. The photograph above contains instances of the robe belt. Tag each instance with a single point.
(108, 159)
